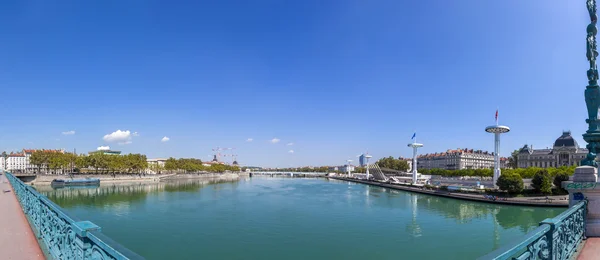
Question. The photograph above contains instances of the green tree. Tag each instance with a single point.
(513, 160)
(541, 182)
(393, 163)
(38, 158)
(171, 164)
(559, 178)
(510, 182)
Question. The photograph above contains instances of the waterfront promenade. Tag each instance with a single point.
(522, 201)
(17, 240)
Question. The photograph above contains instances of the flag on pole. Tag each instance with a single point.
(414, 135)
(496, 115)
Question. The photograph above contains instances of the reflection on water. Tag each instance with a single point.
(464, 212)
(120, 195)
(288, 218)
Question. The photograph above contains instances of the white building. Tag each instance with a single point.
(457, 160)
(564, 152)
(155, 165)
(16, 162)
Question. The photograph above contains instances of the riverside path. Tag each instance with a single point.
(17, 240)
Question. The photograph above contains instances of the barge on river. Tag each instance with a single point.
(75, 182)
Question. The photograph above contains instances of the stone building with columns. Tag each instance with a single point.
(564, 152)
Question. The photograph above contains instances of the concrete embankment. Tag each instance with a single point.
(521, 201)
(201, 176)
(104, 178)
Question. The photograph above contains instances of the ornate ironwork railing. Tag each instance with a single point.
(62, 236)
(556, 238)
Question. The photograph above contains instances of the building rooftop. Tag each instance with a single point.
(458, 151)
(566, 140)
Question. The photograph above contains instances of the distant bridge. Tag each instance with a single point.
(290, 174)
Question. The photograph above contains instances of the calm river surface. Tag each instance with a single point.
(289, 218)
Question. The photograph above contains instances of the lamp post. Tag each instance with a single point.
(349, 169)
(497, 130)
(368, 157)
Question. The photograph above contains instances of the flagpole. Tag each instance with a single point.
(497, 108)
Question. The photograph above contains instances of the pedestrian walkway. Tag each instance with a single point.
(17, 240)
(591, 249)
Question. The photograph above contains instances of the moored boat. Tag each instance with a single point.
(75, 182)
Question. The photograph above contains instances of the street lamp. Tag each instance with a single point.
(349, 169)
(368, 157)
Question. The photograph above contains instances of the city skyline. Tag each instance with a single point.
(290, 84)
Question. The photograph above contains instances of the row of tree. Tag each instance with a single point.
(541, 182)
(191, 165)
(393, 163)
(56, 162)
(526, 173)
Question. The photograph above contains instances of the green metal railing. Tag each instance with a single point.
(556, 238)
(62, 236)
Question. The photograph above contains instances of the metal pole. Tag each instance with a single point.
(414, 168)
(496, 158)
(367, 168)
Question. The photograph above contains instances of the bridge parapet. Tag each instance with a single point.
(62, 236)
(555, 238)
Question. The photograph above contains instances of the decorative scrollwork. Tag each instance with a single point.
(55, 230)
(555, 239)
(540, 249)
(568, 233)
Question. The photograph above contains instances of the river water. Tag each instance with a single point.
(290, 218)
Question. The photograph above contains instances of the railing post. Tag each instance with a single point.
(551, 239)
(584, 186)
(82, 242)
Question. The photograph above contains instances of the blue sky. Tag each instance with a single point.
(335, 78)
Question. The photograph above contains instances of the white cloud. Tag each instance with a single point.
(135, 134)
(165, 139)
(290, 144)
(275, 140)
(103, 148)
(120, 137)
(291, 151)
(72, 132)
(249, 140)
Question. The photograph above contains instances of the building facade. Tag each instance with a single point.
(20, 161)
(458, 159)
(362, 161)
(564, 152)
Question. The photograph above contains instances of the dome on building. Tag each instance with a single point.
(565, 140)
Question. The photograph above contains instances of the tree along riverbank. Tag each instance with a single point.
(544, 201)
(112, 178)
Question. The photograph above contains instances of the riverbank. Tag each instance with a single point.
(45, 179)
(556, 201)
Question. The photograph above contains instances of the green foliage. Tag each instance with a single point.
(525, 173)
(513, 160)
(510, 182)
(393, 163)
(541, 182)
(559, 178)
(101, 163)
